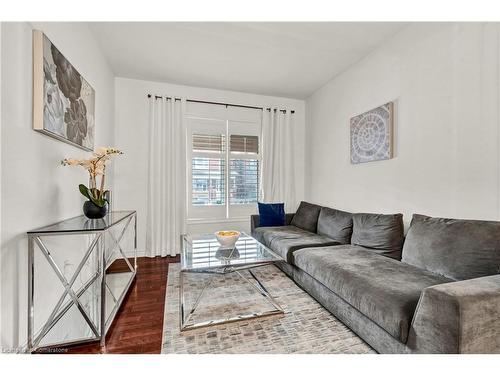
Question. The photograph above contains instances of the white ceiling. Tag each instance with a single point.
(291, 59)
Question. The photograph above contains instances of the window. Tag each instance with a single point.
(208, 171)
(224, 158)
(243, 172)
(208, 181)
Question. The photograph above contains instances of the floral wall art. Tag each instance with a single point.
(63, 101)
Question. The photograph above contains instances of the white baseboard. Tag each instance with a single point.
(140, 253)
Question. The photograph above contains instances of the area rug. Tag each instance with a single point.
(306, 327)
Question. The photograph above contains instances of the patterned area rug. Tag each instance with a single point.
(306, 327)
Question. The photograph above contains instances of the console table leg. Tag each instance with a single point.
(31, 290)
(135, 243)
(102, 254)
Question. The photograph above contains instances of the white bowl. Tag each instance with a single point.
(227, 241)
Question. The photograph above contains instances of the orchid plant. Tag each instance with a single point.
(96, 166)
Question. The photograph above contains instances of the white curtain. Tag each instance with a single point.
(166, 176)
(278, 177)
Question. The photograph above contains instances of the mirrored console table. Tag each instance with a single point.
(79, 272)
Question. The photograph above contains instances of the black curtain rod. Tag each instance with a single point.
(159, 97)
(217, 103)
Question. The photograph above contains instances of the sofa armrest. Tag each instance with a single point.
(458, 317)
(255, 221)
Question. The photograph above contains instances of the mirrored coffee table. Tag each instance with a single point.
(202, 254)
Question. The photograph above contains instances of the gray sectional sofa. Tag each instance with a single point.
(435, 291)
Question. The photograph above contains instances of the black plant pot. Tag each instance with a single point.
(92, 211)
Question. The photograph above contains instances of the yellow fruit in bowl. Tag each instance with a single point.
(227, 233)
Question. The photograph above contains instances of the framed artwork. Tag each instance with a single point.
(371, 135)
(63, 101)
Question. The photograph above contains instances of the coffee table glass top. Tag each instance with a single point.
(204, 252)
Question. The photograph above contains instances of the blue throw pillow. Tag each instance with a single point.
(271, 214)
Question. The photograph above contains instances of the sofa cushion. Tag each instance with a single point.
(306, 216)
(458, 249)
(382, 233)
(335, 224)
(271, 214)
(383, 289)
(287, 239)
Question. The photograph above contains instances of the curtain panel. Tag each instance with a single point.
(278, 169)
(166, 193)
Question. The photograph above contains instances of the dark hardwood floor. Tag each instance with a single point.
(138, 324)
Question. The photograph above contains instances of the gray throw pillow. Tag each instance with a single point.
(306, 216)
(455, 248)
(382, 233)
(335, 224)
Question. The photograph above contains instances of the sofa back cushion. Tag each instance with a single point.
(382, 233)
(455, 248)
(306, 216)
(335, 224)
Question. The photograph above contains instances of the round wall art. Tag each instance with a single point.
(371, 135)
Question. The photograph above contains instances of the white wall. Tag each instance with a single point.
(1, 58)
(131, 135)
(445, 83)
(36, 190)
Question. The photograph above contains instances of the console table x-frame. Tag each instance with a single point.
(99, 230)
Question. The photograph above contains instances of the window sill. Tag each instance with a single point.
(221, 220)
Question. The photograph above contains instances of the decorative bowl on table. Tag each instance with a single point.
(227, 238)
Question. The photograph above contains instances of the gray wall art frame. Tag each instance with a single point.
(371, 135)
(63, 101)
